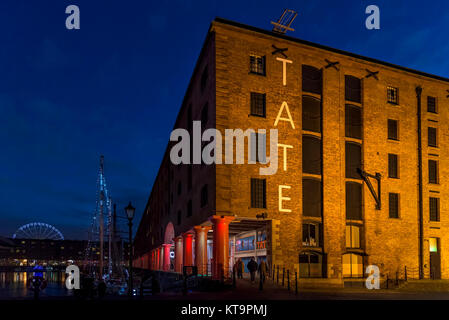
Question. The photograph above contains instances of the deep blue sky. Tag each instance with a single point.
(115, 86)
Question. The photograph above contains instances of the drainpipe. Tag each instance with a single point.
(420, 186)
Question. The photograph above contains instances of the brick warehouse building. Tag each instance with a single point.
(360, 175)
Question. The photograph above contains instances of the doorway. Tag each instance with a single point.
(435, 258)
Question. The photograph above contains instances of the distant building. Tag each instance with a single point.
(24, 252)
(344, 122)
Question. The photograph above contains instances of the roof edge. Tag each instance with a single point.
(327, 48)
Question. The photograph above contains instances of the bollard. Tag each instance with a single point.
(260, 281)
(272, 272)
(283, 275)
(288, 280)
(233, 277)
(296, 282)
(387, 281)
(405, 273)
(397, 278)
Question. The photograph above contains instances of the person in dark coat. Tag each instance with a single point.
(252, 267)
(239, 268)
(263, 269)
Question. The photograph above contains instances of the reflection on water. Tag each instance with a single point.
(14, 285)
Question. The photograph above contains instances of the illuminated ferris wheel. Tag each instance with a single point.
(38, 230)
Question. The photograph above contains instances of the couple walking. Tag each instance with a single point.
(252, 267)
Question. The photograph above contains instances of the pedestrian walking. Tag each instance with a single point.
(252, 267)
(239, 268)
(262, 270)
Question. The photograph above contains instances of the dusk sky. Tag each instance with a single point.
(114, 87)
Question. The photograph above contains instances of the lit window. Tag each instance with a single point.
(433, 244)
(257, 64)
(352, 265)
(310, 235)
(392, 95)
(352, 236)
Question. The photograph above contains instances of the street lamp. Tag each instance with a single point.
(130, 215)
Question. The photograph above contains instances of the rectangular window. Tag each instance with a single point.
(310, 236)
(431, 104)
(353, 122)
(352, 236)
(311, 197)
(393, 129)
(353, 89)
(311, 79)
(258, 147)
(393, 171)
(204, 196)
(257, 64)
(352, 265)
(311, 155)
(432, 137)
(258, 102)
(258, 193)
(393, 205)
(392, 95)
(434, 209)
(433, 171)
(353, 156)
(353, 201)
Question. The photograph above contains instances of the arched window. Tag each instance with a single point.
(310, 265)
(311, 114)
(353, 89)
(352, 265)
(311, 79)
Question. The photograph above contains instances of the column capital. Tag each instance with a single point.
(166, 245)
(187, 234)
(178, 238)
(223, 219)
(199, 229)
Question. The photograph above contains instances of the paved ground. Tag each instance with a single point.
(245, 290)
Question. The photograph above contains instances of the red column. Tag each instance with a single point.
(178, 254)
(153, 258)
(201, 248)
(161, 258)
(166, 247)
(220, 225)
(187, 239)
(158, 257)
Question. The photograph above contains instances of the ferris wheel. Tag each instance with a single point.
(38, 230)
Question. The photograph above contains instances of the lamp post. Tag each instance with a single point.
(130, 215)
